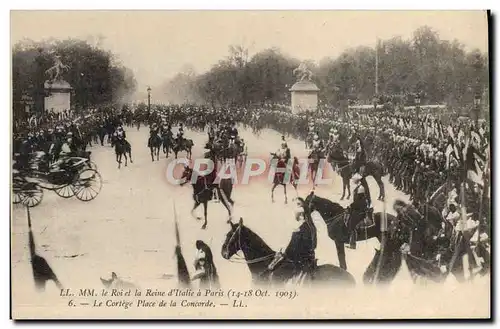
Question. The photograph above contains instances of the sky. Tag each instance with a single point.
(158, 44)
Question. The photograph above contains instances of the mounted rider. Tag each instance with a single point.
(180, 135)
(359, 209)
(283, 152)
(233, 131)
(360, 158)
(317, 145)
(333, 139)
(121, 136)
(301, 248)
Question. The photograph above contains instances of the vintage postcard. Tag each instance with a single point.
(250, 165)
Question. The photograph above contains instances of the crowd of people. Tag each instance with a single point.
(420, 154)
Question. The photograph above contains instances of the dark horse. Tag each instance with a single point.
(338, 160)
(154, 144)
(167, 143)
(280, 178)
(183, 145)
(258, 256)
(334, 216)
(122, 147)
(203, 190)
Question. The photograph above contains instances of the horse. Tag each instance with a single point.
(154, 144)
(337, 159)
(334, 216)
(122, 147)
(167, 143)
(183, 145)
(258, 256)
(282, 178)
(203, 192)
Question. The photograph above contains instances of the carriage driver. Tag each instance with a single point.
(64, 154)
(301, 248)
(359, 209)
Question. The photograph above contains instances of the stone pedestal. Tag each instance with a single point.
(304, 96)
(58, 96)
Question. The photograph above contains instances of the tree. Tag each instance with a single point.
(95, 74)
(441, 70)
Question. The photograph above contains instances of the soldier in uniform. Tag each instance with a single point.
(301, 248)
(360, 158)
(358, 209)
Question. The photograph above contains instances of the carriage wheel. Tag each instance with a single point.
(32, 197)
(65, 192)
(87, 185)
(17, 197)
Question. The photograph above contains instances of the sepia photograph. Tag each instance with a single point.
(230, 165)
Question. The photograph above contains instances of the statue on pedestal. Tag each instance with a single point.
(303, 73)
(57, 69)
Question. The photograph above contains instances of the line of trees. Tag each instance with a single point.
(441, 71)
(96, 75)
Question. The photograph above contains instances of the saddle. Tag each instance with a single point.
(365, 222)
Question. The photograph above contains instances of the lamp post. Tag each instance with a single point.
(417, 104)
(477, 106)
(149, 100)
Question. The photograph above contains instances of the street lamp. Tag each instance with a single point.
(477, 106)
(149, 99)
(417, 103)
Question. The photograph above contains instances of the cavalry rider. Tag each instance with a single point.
(180, 135)
(333, 139)
(317, 145)
(121, 136)
(233, 131)
(301, 248)
(358, 210)
(168, 132)
(181, 129)
(284, 153)
(360, 158)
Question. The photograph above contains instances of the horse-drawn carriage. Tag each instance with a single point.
(75, 176)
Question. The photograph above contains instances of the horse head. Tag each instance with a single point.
(232, 243)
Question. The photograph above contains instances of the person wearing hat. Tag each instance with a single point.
(358, 209)
(65, 152)
(360, 158)
(301, 248)
(284, 152)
